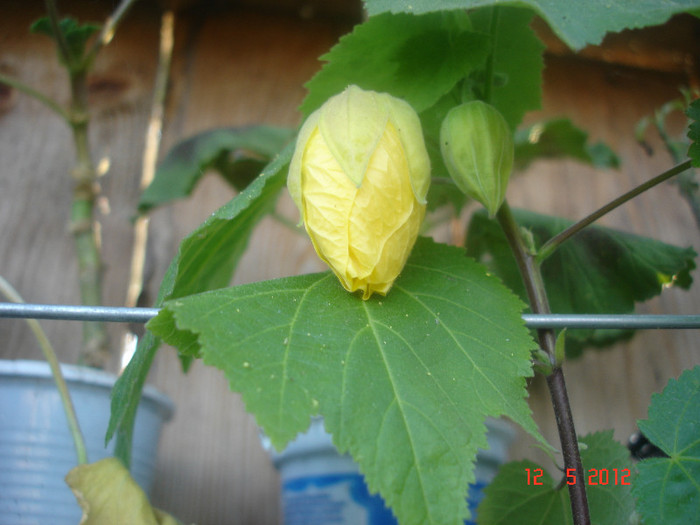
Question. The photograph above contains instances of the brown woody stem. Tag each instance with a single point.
(539, 304)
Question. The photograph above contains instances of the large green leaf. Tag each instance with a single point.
(524, 493)
(576, 22)
(206, 260)
(404, 382)
(559, 138)
(516, 61)
(600, 270)
(416, 58)
(238, 154)
(668, 489)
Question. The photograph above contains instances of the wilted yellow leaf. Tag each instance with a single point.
(109, 495)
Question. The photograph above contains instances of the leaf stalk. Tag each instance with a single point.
(552, 244)
(50, 355)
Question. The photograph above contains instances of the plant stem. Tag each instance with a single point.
(85, 231)
(552, 244)
(109, 28)
(150, 154)
(95, 345)
(539, 304)
(493, 29)
(50, 356)
(54, 20)
(48, 102)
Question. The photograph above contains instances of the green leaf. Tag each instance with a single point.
(206, 260)
(577, 23)
(108, 494)
(513, 497)
(693, 114)
(76, 35)
(209, 255)
(416, 58)
(404, 382)
(517, 60)
(238, 154)
(559, 138)
(600, 270)
(668, 489)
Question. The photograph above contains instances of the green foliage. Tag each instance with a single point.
(418, 59)
(559, 138)
(516, 497)
(206, 260)
(404, 382)
(75, 35)
(668, 489)
(577, 23)
(693, 114)
(238, 154)
(600, 270)
(516, 54)
(436, 62)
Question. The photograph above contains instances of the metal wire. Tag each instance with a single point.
(63, 312)
(118, 314)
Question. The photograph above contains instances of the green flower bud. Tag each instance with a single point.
(359, 176)
(477, 147)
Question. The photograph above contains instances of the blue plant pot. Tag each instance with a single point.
(36, 448)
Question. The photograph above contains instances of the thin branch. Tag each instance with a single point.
(50, 356)
(150, 154)
(493, 30)
(109, 28)
(532, 277)
(552, 244)
(44, 99)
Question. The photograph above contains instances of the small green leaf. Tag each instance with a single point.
(524, 493)
(600, 270)
(209, 255)
(416, 58)
(206, 260)
(76, 35)
(693, 114)
(404, 382)
(238, 154)
(577, 23)
(668, 489)
(559, 138)
(108, 494)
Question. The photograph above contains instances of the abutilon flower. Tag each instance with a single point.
(477, 147)
(359, 176)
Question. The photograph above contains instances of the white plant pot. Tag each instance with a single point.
(36, 448)
(321, 486)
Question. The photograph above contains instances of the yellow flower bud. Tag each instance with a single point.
(477, 147)
(359, 176)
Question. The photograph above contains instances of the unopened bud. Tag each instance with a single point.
(477, 147)
(359, 176)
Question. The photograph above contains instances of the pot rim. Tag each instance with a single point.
(81, 375)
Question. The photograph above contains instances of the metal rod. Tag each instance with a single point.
(62, 312)
(118, 314)
(614, 321)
